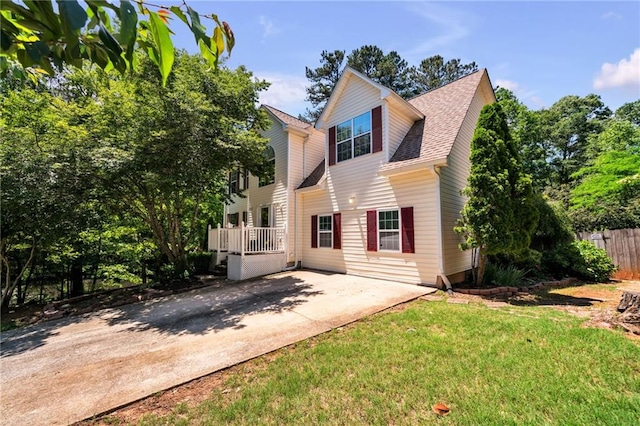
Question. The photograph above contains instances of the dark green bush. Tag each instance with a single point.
(200, 261)
(554, 226)
(579, 258)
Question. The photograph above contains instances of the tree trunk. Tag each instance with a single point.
(629, 307)
(77, 282)
(482, 264)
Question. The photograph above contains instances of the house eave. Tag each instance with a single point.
(413, 167)
(296, 130)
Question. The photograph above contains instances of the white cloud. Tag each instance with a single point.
(268, 29)
(611, 15)
(528, 97)
(453, 25)
(626, 73)
(508, 84)
(287, 92)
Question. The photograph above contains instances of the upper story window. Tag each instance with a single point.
(234, 181)
(269, 176)
(353, 137)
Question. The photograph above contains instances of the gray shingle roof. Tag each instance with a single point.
(287, 118)
(445, 109)
(314, 177)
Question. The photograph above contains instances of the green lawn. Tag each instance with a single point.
(517, 366)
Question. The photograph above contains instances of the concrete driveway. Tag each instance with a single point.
(71, 369)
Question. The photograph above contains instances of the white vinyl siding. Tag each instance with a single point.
(399, 125)
(453, 179)
(274, 195)
(373, 192)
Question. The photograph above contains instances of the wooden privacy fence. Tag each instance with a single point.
(622, 246)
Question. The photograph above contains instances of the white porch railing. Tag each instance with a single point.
(247, 240)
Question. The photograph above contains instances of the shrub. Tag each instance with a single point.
(595, 264)
(200, 261)
(509, 276)
(580, 258)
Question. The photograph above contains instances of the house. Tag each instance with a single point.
(373, 188)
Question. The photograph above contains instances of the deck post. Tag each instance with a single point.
(242, 239)
(218, 246)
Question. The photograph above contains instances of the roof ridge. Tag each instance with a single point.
(446, 84)
(286, 113)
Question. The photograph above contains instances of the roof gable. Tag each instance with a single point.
(348, 74)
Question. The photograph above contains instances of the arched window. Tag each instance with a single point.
(269, 176)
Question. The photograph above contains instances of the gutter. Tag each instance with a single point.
(443, 276)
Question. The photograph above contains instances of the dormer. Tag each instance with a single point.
(363, 118)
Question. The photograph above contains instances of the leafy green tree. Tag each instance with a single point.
(608, 195)
(45, 182)
(43, 38)
(525, 128)
(500, 215)
(164, 153)
(566, 128)
(630, 112)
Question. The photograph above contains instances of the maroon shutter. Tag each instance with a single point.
(337, 231)
(314, 231)
(376, 125)
(408, 242)
(332, 146)
(372, 230)
(246, 179)
(244, 217)
(229, 184)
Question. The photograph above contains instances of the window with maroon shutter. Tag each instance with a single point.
(337, 231)
(332, 146)
(244, 217)
(314, 231)
(372, 230)
(408, 242)
(376, 124)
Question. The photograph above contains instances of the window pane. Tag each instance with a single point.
(362, 145)
(343, 131)
(325, 239)
(362, 124)
(344, 150)
(390, 240)
(324, 223)
(388, 220)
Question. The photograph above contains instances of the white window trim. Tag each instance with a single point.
(330, 215)
(235, 177)
(262, 183)
(352, 139)
(270, 220)
(399, 210)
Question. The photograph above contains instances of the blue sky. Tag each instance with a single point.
(541, 50)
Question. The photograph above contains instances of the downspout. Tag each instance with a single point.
(443, 276)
